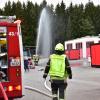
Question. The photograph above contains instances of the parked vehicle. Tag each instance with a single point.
(11, 56)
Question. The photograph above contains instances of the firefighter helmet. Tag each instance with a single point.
(59, 47)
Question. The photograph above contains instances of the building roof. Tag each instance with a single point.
(83, 39)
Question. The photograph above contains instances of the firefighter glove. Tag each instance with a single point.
(70, 76)
(44, 76)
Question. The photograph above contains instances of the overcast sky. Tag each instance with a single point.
(54, 2)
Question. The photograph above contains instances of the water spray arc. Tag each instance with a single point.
(44, 40)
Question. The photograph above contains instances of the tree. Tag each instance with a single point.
(61, 23)
(86, 28)
(1, 12)
(43, 4)
(7, 9)
(69, 30)
(76, 15)
(13, 8)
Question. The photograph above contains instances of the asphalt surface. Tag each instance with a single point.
(85, 84)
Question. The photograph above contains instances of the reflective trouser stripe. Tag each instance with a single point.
(54, 95)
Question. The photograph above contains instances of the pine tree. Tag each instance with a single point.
(8, 9)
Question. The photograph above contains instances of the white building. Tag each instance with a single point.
(82, 44)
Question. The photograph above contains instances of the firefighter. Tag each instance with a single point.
(59, 69)
(36, 59)
(26, 67)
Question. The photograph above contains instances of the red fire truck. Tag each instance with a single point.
(11, 56)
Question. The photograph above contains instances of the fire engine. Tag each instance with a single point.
(11, 56)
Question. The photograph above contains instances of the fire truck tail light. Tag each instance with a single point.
(18, 87)
(10, 88)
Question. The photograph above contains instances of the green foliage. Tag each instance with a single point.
(8, 9)
(68, 23)
(86, 28)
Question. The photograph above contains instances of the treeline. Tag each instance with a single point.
(70, 22)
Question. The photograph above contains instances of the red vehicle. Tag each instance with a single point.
(11, 56)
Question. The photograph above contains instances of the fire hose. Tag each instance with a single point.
(46, 86)
(39, 91)
(3, 92)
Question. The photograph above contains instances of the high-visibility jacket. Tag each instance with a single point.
(57, 66)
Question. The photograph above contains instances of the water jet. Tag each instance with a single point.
(44, 36)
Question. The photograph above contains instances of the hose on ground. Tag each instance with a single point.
(38, 91)
(46, 86)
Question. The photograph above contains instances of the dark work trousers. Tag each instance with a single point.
(58, 85)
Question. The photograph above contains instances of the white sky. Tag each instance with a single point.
(54, 2)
